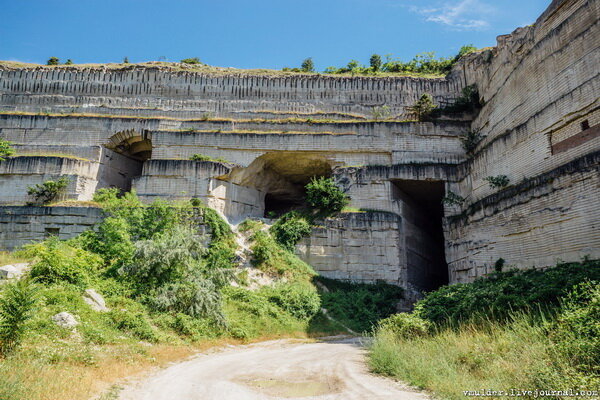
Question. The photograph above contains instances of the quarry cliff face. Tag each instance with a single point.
(136, 127)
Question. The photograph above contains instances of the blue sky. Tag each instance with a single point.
(252, 34)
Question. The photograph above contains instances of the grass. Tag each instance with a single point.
(59, 155)
(74, 203)
(359, 120)
(207, 69)
(12, 258)
(479, 355)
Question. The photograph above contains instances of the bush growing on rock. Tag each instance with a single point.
(5, 149)
(289, 229)
(44, 193)
(323, 194)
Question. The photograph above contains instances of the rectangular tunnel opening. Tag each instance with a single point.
(422, 214)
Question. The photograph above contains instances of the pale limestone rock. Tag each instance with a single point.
(95, 300)
(65, 320)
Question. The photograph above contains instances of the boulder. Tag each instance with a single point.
(95, 300)
(65, 320)
(13, 271)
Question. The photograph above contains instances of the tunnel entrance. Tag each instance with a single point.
(281, 177)
(422, 214)
(124, 157)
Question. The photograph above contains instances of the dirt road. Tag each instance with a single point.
(324, 370)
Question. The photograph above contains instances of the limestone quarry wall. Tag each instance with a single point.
(539, 85)
(22, 225)
(361, 247)
(539, 122)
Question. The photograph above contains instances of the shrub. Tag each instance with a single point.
(170, 257)
(452, 199)
(498, 181)
(126, 60)
(500, 293)
(577, 328)
(375, 62)
(194, 60)
(470, 141)
(308, 65)
(382, 112)
(5, 149)
(60, 262)
(46, 192)
(422, 108)
(359, 305)
(218, 226)
(133, 322)
(466, 49)
(197, 298)
(112, 241)
(289, 229)
(268, 256)
(322, 193)
(69, 62)
(405, 325)
(16, 306)
(53, 61)
(301, 300)
(202, 157)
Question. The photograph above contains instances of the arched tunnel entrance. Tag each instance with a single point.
(123, 158)
(281, 178)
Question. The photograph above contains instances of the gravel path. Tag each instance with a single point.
(285, 369)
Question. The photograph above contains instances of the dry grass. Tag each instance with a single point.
(209, 70)
(74, 203)
(12, 258)
(360, 120)
(58, 155)
(110, 365)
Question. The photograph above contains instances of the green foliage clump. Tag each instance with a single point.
(468, 101)
(375, 62)
(193, 61)
(271, 258)
(44, 193)
(453, 199)
(53, 61)
(57, 261)
(359, 306)
(423, 108)
(69, 62)
(381, 113)
(5, 149)
(202, 157)
(470, 141)
(498, 181)
(290, 228)
(323, 194)
(300, 299)
(405, 325)
(503, 292)
(17, 302)
(133, 322)
(308, 65)
(577, 328)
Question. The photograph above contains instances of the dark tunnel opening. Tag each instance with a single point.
(423, 214)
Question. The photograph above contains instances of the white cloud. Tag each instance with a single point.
(462, 15)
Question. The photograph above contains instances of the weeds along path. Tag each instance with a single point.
(333, 369)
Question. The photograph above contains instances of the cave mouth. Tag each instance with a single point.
(132, 144)
(281, 178)
(126, 153)
(423, 214)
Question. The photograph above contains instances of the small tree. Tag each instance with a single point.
(45, 192)
(53, 61)
(423, 107)
(470, 141)
(323, 194)
(69, 62)
(126, 60)
(5, 149)
(16, 306)
(466, 49)
(308, 65)
(375, 62)
(194, 60)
